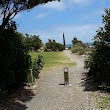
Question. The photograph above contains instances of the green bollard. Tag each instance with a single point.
(66, 77)
(30, 77)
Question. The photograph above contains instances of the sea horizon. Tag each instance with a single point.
(70, 45)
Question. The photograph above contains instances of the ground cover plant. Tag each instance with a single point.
(53, 59)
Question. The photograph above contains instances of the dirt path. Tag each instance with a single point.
(53, 96)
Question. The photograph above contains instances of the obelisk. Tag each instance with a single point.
(64, 40)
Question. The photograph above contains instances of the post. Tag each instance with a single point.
(64, 40)
(66, 77)
(30, 77)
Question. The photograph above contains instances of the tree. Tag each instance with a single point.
(36, 42)
(99, 58)
(10, 8)
(75, 41)
(33, 41)
(54, 46)
(49, 44)
(78, 46)
(14, 59)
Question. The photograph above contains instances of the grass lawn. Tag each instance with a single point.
(104, 103)
(53, 60)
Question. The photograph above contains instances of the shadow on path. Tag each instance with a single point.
(88, 83)
(17, 99)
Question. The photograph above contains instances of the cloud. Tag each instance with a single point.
(99, 12)
(54, 5)
(41, 15)
(94, 14)
(79, 2)
(82, 32)
(63, 4)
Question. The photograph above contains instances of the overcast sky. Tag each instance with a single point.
(80, 18)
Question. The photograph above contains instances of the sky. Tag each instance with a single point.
(74, 18)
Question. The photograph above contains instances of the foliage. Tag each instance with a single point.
(76, 41)
(99, 58)
(10, 8)
(37, 66)
(54, 46)
(3, 93)
(14, 59)
(69, 47)
(33, 42)
(78, 46)
(53, 59)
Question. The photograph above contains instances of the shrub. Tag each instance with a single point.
(14, 59)
(54, 46)
(3, 93)
(78, 48)
(81, 51)
(69, 47)
(98, 61)
(37, 66)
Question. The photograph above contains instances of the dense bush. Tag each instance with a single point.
(98, 61)
(78, 48)
(54, 46)
(14, 59)
(69, 47)
(37, 66)
(33, 42)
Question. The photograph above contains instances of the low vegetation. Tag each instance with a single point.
(37, 66)
(52, 45)
(53, 59)
(78, 46)
(33, 42)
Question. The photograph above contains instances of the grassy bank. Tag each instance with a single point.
(53, 60)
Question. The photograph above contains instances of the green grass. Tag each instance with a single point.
(53, 60)
(104, 103)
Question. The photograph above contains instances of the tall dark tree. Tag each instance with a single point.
(14, 59)
(33, 41)
(10, 8)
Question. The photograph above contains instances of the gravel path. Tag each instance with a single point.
(52, 95)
